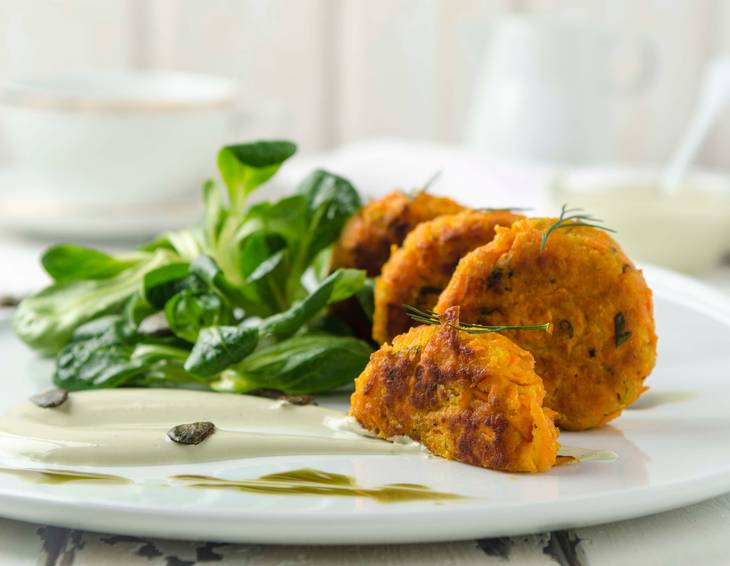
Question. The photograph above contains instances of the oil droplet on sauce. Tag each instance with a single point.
(307, 481)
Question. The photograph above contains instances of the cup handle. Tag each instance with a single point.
(647, 65)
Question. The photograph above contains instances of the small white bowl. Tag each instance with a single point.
(116, 137)
(688, 231)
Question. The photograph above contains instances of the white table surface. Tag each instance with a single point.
(697, 534)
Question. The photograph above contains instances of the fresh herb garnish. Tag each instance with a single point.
(494, 278)
(431, 181)
(566, 328)
(432, 318)
(426, 186)
(620, 333)
(572, 218)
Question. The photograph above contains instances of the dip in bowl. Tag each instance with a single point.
(688, 230)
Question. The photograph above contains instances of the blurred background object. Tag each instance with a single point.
(712, 100)
(548, 87)
(505, 96)
(344, 70)
(78, 133)
(687, 230)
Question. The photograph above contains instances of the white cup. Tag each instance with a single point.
(547, 87)
(105, 138)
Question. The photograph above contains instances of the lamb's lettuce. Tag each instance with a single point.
(238, 301)
(45, 321)
(302, 364)
(67, 262)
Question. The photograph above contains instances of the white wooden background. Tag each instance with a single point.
(343, 70)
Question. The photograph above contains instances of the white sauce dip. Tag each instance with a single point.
(129, 427)
(687, 230)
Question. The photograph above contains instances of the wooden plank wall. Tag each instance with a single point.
(334, 71)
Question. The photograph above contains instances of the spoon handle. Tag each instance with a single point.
(714, 95)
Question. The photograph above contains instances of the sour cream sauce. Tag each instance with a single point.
(128, 427)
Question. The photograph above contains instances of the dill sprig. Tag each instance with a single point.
(572, 218)
(432, 318)
(431, 181)
(426, 186)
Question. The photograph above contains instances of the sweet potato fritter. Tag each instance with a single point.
(471, 398)
(603, 345)
(367, 238)
(420, 269)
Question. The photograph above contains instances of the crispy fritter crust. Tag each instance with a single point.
(367, 238)
(471, 398)
(420, 269)
(603, 345)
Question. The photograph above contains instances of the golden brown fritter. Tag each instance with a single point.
(420, 269)
(603, 345)
(471, 398)
(367, 238)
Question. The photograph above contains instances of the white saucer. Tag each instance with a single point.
(24, 211)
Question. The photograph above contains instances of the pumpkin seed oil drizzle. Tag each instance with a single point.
(304, 481)
(307, 481)
(51, 476)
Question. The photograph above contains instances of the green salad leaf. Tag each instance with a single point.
(46, 320)
(244, 167)
(101, 355)
(342, 284)
(262, 288)
(67, 262)
(236, 302)
(218, 347)
(188, 312)
(301, 364)
(366, 298)
(163, 282)
(330, 201)
(98, 356)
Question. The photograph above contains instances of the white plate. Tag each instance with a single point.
(673, 449)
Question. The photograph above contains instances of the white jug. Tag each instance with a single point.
(547, 88)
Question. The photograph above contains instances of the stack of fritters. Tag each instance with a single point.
(369, 237)
(471, 398)
(420, 269)
(604, 345)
